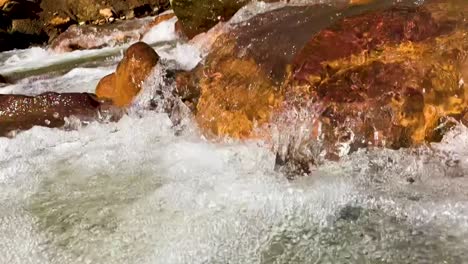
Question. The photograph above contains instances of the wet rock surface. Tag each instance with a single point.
(122, 87)
(379, 75)
(19, 112)
(100, 36)
(27, 22)
(199, 16)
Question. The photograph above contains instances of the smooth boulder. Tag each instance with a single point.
(137, 64)
(20, 112)
(372, 75)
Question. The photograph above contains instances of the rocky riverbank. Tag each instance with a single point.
(36, 22)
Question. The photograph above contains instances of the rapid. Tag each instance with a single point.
(143, 190)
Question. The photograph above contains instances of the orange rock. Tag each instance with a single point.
(132, 71)
(391, 77)
(59, 21)
(106, 13)
(106, 86)
(360, 2)
(236, 98)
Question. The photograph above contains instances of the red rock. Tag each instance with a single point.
(20, 112)
(363, 33)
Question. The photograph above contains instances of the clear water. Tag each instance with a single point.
(139, 191)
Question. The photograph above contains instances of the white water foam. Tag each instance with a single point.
(164, 31)
(34, 58)
(67, 83)
(133, 192)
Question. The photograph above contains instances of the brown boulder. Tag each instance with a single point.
(199, 16)
(20, 112)
(132, 71)
(380, 75)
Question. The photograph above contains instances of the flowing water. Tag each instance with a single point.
(142, 191)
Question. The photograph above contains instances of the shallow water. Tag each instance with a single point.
(139, 191)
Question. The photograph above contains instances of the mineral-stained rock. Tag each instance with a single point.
(19, 112)
(242, 66)
(386, 76)
(393, 79)
(132, 71)
(363, 33)
(398, 97)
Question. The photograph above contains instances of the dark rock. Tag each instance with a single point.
(20, 9)
(16, 40)
(199, 16)
(3, 79)
(19, 112)
(350, 213)
(20, 26)
(44, 20)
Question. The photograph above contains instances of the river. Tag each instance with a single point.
(143, 191)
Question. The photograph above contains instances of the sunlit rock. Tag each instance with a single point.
(240, 81)
(106, 86)
(20, 112)
(388, 78)
(373, 75)
(132, 71)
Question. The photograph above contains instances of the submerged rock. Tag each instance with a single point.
(99, 36)
(380, 74)
(199, 16)
(20, 112)
(122, 86)
(3, 79)
(196, 17)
